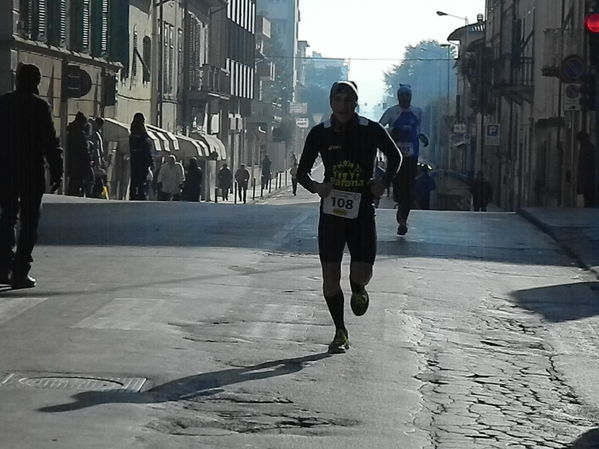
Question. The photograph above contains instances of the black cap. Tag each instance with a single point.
(344, 86)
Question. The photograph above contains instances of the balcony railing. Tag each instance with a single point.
(210, 79)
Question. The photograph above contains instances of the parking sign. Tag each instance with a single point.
(492, 136)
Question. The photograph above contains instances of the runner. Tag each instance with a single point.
(347, 145)
(403, 121)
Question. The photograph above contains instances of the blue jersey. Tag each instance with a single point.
(404, 128)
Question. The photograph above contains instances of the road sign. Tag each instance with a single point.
(302, 122)
(492, 134)
(298, 108)
(571, 99)
(572, 69)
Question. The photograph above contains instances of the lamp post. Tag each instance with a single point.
(462, 53)
(448, 46)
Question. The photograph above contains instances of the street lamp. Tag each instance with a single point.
(465, 19)
(461, 53)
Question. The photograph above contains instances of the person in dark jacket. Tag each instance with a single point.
(140, 150)
(424, 184)
(242, 178)
(27, 140)
(225, 181)
(193, 181)
(482, 192)
(79, 167)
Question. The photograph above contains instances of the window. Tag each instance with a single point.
(80, 20)
(134, 62)
(57, 26)
(180, 52)
(99, 27)
(33, 19)
(147, 58)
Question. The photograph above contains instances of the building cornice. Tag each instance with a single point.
(19, 43)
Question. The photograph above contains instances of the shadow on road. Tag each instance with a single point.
(564, 302)
(204, 384)
(589, 440)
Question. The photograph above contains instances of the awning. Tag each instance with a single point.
(168, 139)
(116, 135)
(213, 143)
(192, 147)
(161, 136)
(158, 145)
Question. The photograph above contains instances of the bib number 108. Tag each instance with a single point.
(342, 203)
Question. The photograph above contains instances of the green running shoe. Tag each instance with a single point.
(359, 302)
(340, 343)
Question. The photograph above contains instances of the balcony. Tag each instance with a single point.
(266, 70)
(263, 112)
(520, 85)
(209, 82)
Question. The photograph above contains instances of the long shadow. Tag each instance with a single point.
(204, 384)
(564, 302)
(588, 440)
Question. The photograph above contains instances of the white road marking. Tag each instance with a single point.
(12, 307)
(127, 314)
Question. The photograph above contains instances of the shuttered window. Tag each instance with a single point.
(34, 19)
(118, 34)
(56, 29)
(79, 35)
(99, 27)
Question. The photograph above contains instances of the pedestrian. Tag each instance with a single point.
(171, 179)
(225, 181)
(293, 173)
(242, 178)
(266, 174)
(78, 163)
(347, 144)
(585, 181)
(403, 121)
(141, 162)
(27, 141)
(193, 181)
(482, 192)
(100, 181)
(424, 184)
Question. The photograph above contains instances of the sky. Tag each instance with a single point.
(378, 29)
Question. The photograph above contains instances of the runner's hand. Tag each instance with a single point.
(323, 188)
(377, 187)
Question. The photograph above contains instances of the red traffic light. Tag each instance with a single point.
(591, 23)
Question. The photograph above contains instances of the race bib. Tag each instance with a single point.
(406, 148)
(342, 204)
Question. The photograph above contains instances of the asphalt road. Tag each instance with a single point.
(185, 325)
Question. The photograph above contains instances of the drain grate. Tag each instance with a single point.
(73, 382)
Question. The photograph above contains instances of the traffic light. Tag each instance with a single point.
(110, 90)
(587, 92)
(591, 24)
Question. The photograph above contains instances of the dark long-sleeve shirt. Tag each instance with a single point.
(348, 155)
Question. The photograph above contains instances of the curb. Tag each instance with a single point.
(544, 227)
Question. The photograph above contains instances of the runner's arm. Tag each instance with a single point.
(309, 155)
(389, 149)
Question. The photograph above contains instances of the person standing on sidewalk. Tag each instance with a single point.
(171, 178)
(78, 164)
(27, 140)
(347, 144)
(242, 178)
(403, 121)
(266, 174)
(482, 192)
(140, 151)
(225, 180)
(193, 181)
(293, 173)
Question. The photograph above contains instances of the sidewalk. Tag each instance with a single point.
(576, 230)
